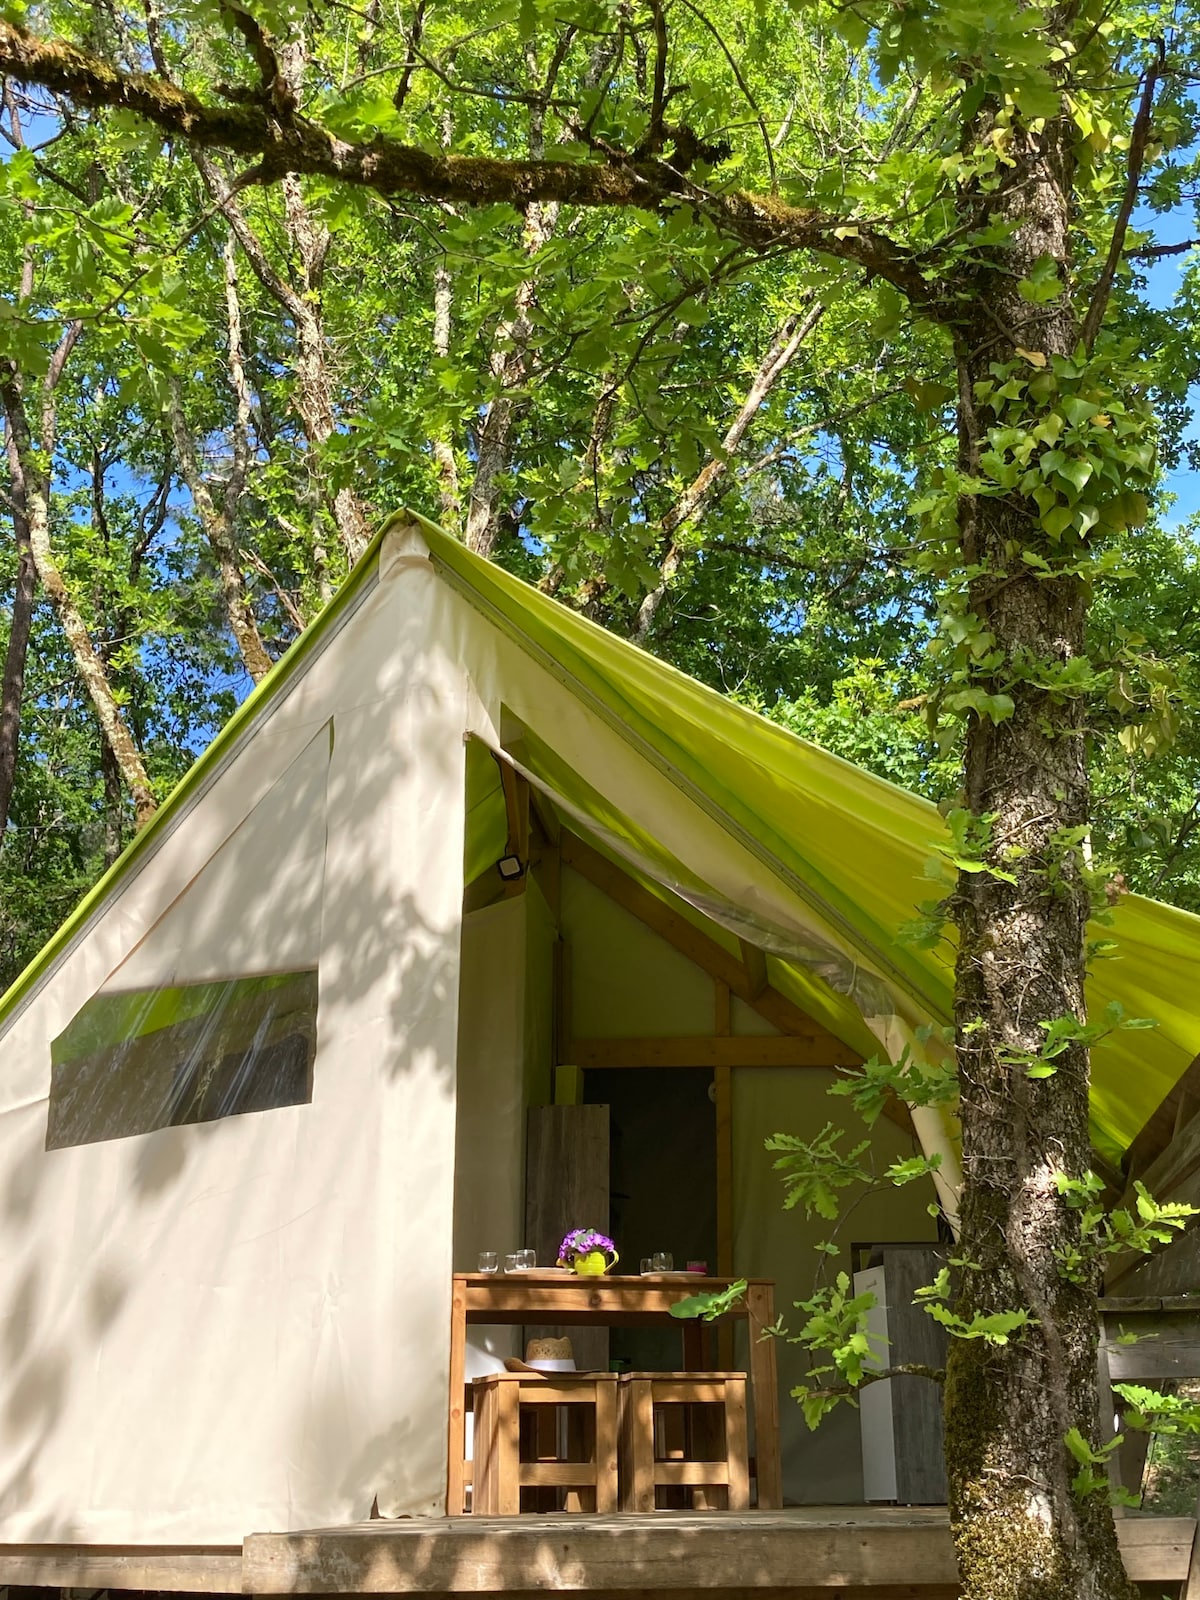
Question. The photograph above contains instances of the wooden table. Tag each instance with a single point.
(564, 1299)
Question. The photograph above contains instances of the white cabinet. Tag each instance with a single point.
(901, 1418)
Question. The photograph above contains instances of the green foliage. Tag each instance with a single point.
(1150, 1411)
(834, 1326)
(995, 1327)
(910, 1079)
(814, 1170)
(1062, 1033)
(1092, 1475)
(710, 1304)
(806, 584)
(1104, 1233)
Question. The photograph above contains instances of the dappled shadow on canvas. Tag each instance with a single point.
(202, 1320)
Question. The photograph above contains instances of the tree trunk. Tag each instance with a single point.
(218, 530)
(1020, 1530)
(35, 492)
(510, 359)
(510, 365)
(219, 522)
(313, 396)
(314, 391)
(12, 691)
(111, 775)
(443, 451)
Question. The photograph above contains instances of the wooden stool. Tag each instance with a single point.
(710, 1458)
(506, 1456)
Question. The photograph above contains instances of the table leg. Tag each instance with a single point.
(693, 1347)
(457, 1444)
(760, 1310)
(605, 1447)
(508, 1441)
(735, 1445)
(636, 1424)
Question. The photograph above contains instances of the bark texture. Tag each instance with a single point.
(695, 498)
(449, 493)
(220, 521)
(12, 690)
(283, 142)
(1021, 1532)
(313, 393)
(35, 491)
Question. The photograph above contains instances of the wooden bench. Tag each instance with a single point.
(516, 1450)
(707, 1457)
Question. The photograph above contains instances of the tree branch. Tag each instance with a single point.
(294, 615)
(1139, 138)
(1156, 252)
(219, 522)
(904, 1369)
(391, 168)
(693, 499)
(262, 47)
(653, 141)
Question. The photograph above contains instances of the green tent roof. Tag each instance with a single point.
(851, 847)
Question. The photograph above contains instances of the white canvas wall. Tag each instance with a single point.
(489, 1155)
(213, 1329)
(626, 981)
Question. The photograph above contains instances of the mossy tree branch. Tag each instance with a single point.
(281, 142)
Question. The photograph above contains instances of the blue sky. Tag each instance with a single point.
(1164, 279)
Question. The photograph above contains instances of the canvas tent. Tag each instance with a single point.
(216, 1321)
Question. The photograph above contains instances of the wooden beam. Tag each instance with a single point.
(563, 1022)
(690, 941)
(547, 873)
(723, 1099)
(722, 1010)
(1164, 1178)
(701, 1050)
(1164, 1124)
(186, 1569)
(755, 962)
(706, 954)
(516, 809)
(723, 1096)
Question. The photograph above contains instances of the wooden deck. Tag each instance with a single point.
(810, 1553)
(881, 1552)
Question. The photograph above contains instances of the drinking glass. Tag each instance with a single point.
(647, 1264)
(489, 1261)
(662, 1261)
(511, 1263)
(526, 1260)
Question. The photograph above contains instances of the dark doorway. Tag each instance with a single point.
(663, 1182)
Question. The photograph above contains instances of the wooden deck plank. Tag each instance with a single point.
(841, 1550)
(214, 1569)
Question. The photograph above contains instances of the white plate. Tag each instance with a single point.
(672, 1277)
